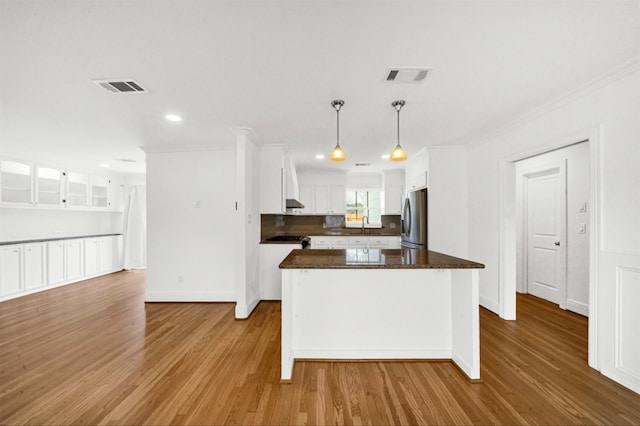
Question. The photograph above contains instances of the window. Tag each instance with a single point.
(361, 203)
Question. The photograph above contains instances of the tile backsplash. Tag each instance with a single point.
(275, 224)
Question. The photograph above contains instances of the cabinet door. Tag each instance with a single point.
(11, 270)
(322, 199)
(105, 253)
(358, 242)
(378, 242)
(393, 198)
(308, 198)
(272, 181)
(49, 184)
(77, 189)
(339, 242)
(393, 243)
(16, 185)
(56, 262)
(338, 199)
(99, 192)
(34, 266)
(91, 260)
(74, 259)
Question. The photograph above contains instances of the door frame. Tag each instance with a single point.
(523, 208)
(507, 231)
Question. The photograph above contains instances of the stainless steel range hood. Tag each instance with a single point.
(294, 204)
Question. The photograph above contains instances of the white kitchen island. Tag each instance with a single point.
(379, 304)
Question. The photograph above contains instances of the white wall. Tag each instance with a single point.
(357, 180)
(447, 200)
(191, 225)
(577, 166)
(608, 111)
(24, 224)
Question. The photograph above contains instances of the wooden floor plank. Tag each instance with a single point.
(94, 353)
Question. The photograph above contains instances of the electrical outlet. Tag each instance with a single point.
(180, 279)
(392, 225)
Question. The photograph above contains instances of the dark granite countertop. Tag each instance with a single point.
(343, 233)
(404, 258)
(41, 240)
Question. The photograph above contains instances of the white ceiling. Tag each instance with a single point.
(276, 65)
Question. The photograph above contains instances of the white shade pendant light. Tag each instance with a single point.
(337, 154)
(398, 153)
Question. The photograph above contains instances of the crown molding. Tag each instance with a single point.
(249, 133)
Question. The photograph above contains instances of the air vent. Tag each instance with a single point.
(121, 85)
(407, 75)
(125, 160)
(362, 164)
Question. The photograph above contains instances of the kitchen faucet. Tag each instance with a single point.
(363, 217)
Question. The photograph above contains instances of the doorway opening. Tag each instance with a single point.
(552, 228)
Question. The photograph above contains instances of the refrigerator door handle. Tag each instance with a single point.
(407, 217)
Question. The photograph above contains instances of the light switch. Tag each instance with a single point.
(582, 207)
(582, 228)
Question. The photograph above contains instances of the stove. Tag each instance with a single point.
(304, 240)
(286, 238)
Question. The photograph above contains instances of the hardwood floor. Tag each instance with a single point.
(94, 352)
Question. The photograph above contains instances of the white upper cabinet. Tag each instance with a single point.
(323, 193)
(49, 186)
(16, 182)
(393, 190)
(99, 192)
(77, 189)
(25, 184)
(416, 171)
(272, 180)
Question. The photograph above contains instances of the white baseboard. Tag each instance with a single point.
(490, 304)
(178, 296)
(464, 366)
(243, 311)
(577, 307)
(372, 353)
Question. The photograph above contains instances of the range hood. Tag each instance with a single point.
(294, 204)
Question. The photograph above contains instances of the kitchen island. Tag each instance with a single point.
(379, 304)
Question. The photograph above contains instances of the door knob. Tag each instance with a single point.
(557, 243)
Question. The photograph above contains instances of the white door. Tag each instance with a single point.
(545, 213)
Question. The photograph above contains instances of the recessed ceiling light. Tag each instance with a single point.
(173, 117)
(104, 165)
(320, 156)
(386, 157)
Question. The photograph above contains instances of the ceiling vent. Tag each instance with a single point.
(362, 164)
(407, 75)
(125, 160)
(121, 85)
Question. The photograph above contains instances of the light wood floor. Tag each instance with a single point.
(93, 352)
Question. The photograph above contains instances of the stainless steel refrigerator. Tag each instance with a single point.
(413, 224)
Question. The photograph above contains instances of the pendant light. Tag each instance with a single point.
(398, 153)
(337, 154)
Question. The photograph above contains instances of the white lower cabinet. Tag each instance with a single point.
(354, 241)
(56, 261)
(270, 275)
(35, 270)
(74, 257)
(11, 281)
(31, 267)
(91, 259)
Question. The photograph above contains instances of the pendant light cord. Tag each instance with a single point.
(398, 111)
(338, 125)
